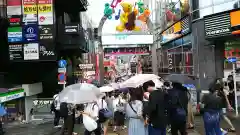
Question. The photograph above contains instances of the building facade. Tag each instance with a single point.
(183, 44)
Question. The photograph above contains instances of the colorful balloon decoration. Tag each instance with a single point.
(129, 15)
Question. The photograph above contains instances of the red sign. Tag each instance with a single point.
(44, 1)
(61, 77)
(13, 2)
(14, 20)
(232, 53)
(29, 2)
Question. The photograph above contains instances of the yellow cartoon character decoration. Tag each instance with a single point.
(127, 18)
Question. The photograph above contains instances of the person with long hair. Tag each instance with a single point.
(134, 111)
(177, 108)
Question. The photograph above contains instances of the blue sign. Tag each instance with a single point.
(30, 33)
(62, 63)
(15, 34)
(232, 60)
(61, 77)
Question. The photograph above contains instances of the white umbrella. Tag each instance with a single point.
(114, 85)
(158, 83)
(138, 80)
(79, 93)
(106, 89)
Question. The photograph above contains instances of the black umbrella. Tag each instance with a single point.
(180, 78)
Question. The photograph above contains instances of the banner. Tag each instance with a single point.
(15, 52)
(46, 33)
(14, 7)
(45, 12)
(31, 51)
(30, 33)
(29, 8)
(47, 52)
(14, 34)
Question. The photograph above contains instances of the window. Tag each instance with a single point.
(177, 59)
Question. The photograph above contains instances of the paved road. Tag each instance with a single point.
(32, 129)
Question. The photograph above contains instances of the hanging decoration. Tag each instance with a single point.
(130, 15)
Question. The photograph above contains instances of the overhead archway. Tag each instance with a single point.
(100, 47)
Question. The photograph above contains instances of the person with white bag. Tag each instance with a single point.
(90, 113)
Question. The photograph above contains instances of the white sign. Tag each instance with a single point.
(11, 97)
(127, 39)
(45, 18)
(31, 51)
(62, 70)
(62, 82)
(14, 10)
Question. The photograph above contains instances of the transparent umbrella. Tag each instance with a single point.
(79, 93)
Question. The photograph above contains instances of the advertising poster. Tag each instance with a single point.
(16, 52)
(14, 34)
(46, 33)
(14, 7)
(47, 51)
(45, 12)
(29, 8)
(31, 51)
(30, 33)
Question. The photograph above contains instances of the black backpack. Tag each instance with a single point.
(63, 109)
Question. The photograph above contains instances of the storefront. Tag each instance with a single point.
(223, 30)
(13, 101)
(176, 53)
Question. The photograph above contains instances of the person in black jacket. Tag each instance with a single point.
(177, 108)
(157, 117)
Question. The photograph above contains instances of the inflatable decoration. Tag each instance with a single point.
(144, 16)
(115, 3)
(127, 18)
(108, 11)
(140, 7)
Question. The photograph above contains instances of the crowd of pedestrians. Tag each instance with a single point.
(149, 111)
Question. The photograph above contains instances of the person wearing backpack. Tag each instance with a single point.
(177, 108)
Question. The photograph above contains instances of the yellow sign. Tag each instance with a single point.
(44, 8)
(30, 9)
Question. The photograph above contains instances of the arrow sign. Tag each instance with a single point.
(62, 63)
(232, 60)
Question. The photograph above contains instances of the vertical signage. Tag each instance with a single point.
(30, 33)
(15, 52)
(45, 12)
(31, 51)
(29, 8)
(14, 34)
(14, 7)
(47, 51)
(14, 12)
(46, 33)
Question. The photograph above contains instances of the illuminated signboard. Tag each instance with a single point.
(176, 30)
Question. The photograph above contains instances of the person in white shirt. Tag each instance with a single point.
(55, 108)
(119, 115)
(92, 110)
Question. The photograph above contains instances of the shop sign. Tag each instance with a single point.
(31, 51)
(71, 29)
(14, 20)
(127, 50)
(11, 97)
(14, 7)
(15, 52)
(14, 34)
(121, 39)
(46, 33)
(217, 25)
(30, 33)
(45, 12)
(47, 51)
(29, 8)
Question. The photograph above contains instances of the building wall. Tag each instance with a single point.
(201, 8)
(208, 56)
